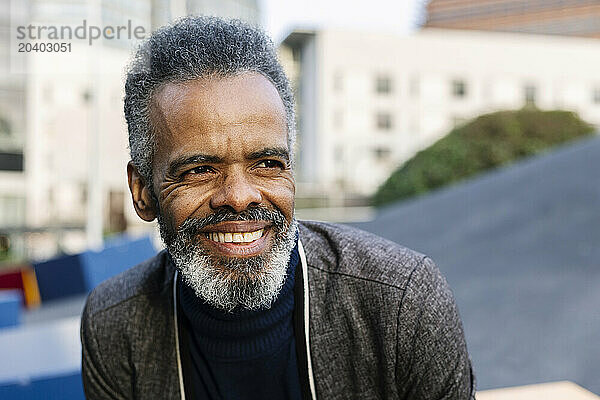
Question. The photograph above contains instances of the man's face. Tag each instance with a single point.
(224, 185)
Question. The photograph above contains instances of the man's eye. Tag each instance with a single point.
(270, 164)
(203, 169)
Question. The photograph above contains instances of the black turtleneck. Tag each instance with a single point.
(243, 354)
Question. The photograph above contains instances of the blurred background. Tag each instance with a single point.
(466, 130)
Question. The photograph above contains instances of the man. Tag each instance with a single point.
(247, 303)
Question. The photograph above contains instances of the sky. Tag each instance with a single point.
(398, 16)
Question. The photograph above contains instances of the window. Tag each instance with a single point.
(459, 88)
(11, 161)
(529, 92)
(596, 95)
(382, 153)
(384, 121)
(86, 96)
(383, 84)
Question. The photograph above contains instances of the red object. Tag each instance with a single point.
(11, 279)
(23, 279)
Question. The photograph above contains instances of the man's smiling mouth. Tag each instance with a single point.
(234, 237)
(239, 238)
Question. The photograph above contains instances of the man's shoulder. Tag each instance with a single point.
(146, 278)
(349, 251)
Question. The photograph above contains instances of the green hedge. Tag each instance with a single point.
(484, 143)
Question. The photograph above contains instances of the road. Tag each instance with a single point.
(520, 247)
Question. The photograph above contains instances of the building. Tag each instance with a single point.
(368, 102)
(554, 17)
(63, 138)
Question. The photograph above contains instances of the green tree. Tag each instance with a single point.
(488, 141)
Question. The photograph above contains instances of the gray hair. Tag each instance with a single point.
(193, 48)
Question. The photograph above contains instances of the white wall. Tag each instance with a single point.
(57, 147)
(494, 66)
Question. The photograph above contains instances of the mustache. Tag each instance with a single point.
(192, 226)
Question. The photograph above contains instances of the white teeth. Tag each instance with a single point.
(235, 237)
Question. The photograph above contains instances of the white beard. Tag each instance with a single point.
(227, 282)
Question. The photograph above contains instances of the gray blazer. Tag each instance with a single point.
(383, 325)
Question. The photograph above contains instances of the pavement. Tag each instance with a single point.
(520, 247)
(544, 391)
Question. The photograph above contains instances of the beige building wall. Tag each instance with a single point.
(436, 80)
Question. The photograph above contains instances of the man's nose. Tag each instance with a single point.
(236, 193)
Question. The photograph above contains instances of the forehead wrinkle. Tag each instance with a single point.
(214, 123)
(210, 99)
(251, 119)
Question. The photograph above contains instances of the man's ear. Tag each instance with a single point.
(143, 202)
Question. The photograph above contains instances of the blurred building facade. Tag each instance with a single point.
(552, 17)
(63, 138)
(164, 11)
(367, 102)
